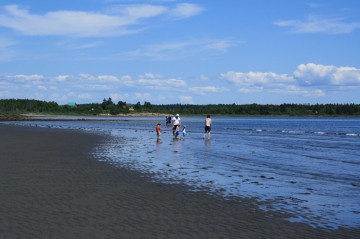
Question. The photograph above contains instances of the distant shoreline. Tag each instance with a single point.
(32, 116)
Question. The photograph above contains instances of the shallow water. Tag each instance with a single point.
(308, 167)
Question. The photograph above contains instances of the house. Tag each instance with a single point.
(71, 104)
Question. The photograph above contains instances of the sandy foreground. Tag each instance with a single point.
(51, 187)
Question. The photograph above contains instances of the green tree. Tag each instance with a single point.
(137, 106)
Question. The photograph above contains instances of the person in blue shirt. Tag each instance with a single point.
(184, 131)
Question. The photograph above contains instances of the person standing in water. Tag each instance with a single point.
(158, 130)
(184, 131)
(168, 120)
(208, 122)
(176, 122)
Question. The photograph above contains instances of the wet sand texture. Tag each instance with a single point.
(50, 187)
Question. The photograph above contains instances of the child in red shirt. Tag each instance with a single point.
(158, 130)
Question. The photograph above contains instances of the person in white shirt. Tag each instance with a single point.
(208, 122)
(176, 123)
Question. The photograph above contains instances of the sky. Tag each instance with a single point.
(181, 52)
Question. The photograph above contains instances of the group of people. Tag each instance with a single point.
(176, 124)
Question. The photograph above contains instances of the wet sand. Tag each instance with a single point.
(51, 187)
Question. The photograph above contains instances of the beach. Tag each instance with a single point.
(51, 187)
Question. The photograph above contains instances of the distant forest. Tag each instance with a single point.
(18, 106)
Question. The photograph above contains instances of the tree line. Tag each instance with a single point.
(107, 106)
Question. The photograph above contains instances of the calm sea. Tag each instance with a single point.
(307, 167)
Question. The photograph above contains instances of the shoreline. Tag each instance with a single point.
(34, 117)
(51, 187)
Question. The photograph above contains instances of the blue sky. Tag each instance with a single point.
(173, 51)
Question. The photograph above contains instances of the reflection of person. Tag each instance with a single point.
(176, 122)
(158, 130)
(158, 140)
(208, 122)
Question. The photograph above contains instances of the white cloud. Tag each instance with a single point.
(296, 90)
(61, 22)
(250, 89)
(312, 74)
(185, 10)
(155, 83)
(186, 99)
(135, 12)
(256, 78)
(182, 49)
(62, 78)
(85, 24)
(223, 45)
(26, 81)
(207, 89)
(163, 83)
(317, 74)
(163, 51)
(96, 87)
(70, 45)
(34, 77)
(346, 76)
(169, 46)
(308, 80)
(108, 78)
(317, 24)
(149, 76)
(103, 79)
(85, 76)
(127, 80)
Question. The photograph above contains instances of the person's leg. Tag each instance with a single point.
(176, 133)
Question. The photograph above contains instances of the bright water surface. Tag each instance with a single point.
(307, 167)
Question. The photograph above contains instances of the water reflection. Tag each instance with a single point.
(207, 142)
(158, 140)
